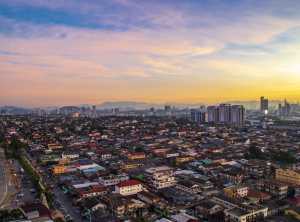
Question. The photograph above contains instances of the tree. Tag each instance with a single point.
(245, 130)
(16, 145)
(15, 214)
(255, 153)
(285, 157)
(139, 149)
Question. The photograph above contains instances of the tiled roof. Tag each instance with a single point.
(128, 183)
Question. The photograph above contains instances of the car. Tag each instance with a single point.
(67, 217)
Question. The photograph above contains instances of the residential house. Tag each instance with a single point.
(147, 197)
(92, 191)
(204, 184)
(128, 187)
(160, 177)
(188, 187)
(288, 175)
(119, 204)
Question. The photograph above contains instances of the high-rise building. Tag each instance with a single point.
(213, 114)
(94, 110)
(287, 107)
(168, 108)
(83, 110)
(152, 110)
(264, 105)
(224, 113)
(279, 109)
(237, 114)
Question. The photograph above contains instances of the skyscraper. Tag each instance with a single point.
(264, 105)
(94, 110)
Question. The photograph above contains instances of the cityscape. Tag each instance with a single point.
(149, 111)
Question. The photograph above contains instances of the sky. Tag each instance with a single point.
(69, 52)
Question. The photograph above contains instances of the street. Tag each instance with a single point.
(6, 188)
(63, 199)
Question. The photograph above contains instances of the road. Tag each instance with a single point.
(63, 199)
(6, 188)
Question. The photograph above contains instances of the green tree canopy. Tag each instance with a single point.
(285, 157)
(254, 153)
(16, 145)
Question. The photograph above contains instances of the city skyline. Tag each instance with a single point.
(72, 52)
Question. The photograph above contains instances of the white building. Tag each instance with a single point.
(128, 187)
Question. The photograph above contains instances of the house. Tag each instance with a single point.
(159, 177)
(188, 187)
(209, 207)
(236, 191)
(131, 164)
(148, 197)
(112, 179)
(119, 204)
(215, 149)
(134, 156)
(35, 210)
(94, 204)
(262, 196)
(171, 153)
(246, 212)
(128, 187)
(254, 170)
(233, 177)
(92, 190)
(288, 175)
(272, 187)
(54, 146)
(183, 158)
(204, 184)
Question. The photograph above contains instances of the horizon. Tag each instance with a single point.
(75, 52)
(158, 104)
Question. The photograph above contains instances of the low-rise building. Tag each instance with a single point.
(119, 204)
(148, 197)
(240, 191)
(92, 191)
(188, 187)
(254, 170)
(288, 175)
(112, 179)
(204, 184)
(128, 187)
(160, 177)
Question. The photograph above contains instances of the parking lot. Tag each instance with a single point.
(25, 186)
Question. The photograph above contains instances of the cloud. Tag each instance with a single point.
(147, 51)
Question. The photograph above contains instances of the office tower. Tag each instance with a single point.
(287, 107)
(224, 113)
(152, 110)
(264, 105)
(237, 114)
(213, 114)
(168, 108)
(113, 111)
(94, 110)
(279, 109)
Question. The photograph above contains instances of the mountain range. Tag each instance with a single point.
(140, 105)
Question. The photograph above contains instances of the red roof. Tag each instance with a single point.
(128, 183)
(184, 156)
(258, 194)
